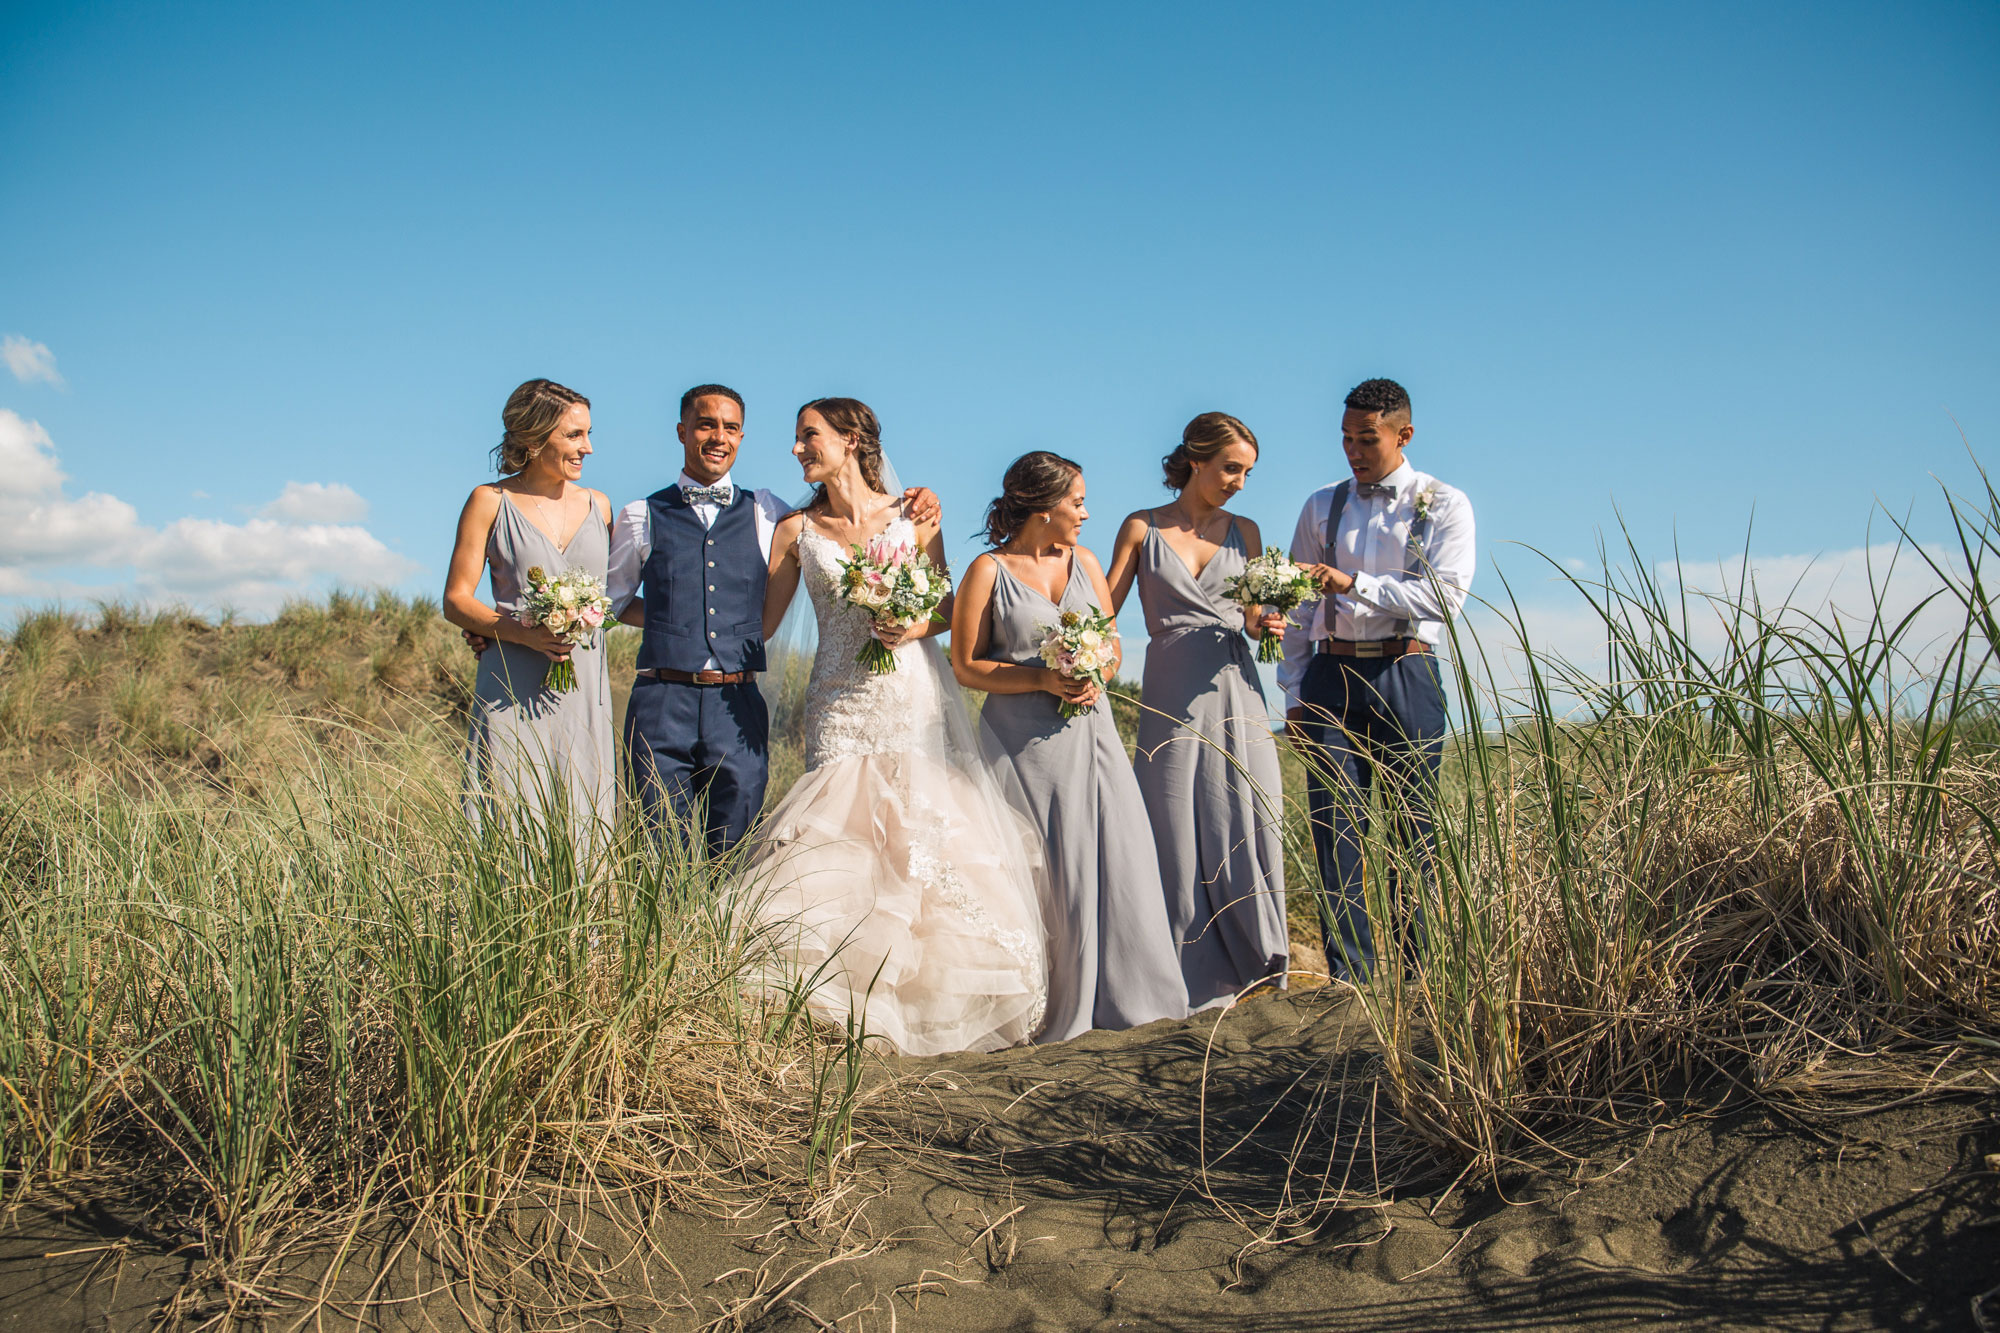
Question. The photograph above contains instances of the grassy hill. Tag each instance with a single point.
(261, 980)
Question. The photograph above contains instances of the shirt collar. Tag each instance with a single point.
(1401, 478)
(687, 481)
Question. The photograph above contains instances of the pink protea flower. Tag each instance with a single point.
(888, 552)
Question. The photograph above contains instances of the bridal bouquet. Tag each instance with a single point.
(572, 606)
(896, 584)
(1272, 580)
(1082, 647)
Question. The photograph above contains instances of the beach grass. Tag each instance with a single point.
(1750, 851)
(258, 970)
(259, 975)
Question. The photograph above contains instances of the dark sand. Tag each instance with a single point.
(1059, 1188)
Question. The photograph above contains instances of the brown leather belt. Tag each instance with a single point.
(702, 677)
(1371, 647)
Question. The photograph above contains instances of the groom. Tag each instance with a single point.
(688, 566)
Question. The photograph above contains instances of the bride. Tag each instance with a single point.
(896, 881)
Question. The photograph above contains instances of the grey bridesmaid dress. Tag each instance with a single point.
(1208, 768)
(1112, 960)
(526, 744)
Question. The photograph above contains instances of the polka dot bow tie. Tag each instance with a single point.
(1369, 489)
(713, 495)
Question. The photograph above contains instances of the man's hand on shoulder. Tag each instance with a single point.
(923, 504)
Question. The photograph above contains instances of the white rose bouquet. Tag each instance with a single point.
(573, 607)
(896, 584)
(1081, 647)
(1272, 580)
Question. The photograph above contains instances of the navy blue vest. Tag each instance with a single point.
(704, 587)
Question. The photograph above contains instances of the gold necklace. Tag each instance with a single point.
(553, 529)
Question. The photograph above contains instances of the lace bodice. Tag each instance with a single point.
(849, 709)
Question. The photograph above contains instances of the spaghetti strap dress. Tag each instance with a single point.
(1112, 957)
(545, 754)
(1208, 768)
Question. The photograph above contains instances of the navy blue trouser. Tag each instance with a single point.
(1368, 717)
(686, 743)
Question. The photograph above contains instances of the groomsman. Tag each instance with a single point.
(688, 566)
(1392, 549)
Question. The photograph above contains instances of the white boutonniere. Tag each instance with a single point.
(1421, 510)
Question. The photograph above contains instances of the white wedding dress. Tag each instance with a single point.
(896, 881)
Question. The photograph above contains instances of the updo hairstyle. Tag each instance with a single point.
(1035, 483)
(1205, 437)
(854, 421)
(529, 419)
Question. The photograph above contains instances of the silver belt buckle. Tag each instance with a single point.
(1370, 648)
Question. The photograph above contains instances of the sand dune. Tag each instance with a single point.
(1063, 1188)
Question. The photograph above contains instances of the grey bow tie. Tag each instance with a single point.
(1369, 489)
(715, 495)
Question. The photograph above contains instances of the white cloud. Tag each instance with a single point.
(201, 555)
(316, 502)
(253, 565)
(39, 525)
(28, 463)
(30, 361)
(98, 529)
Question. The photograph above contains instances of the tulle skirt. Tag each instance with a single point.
(903, 895)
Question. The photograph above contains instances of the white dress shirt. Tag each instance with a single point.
(1372, 546)
(632, 540)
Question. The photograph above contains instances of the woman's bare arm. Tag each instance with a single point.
(462, 606)
(1258, 622)
(783, 580)
(972, 639)
(931, 538)
(1125, 560)
(1102, 591)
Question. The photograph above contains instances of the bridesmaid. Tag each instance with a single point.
(1111, 953)
(526, 742)
(1206, 761)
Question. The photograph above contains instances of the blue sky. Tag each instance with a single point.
(1687, 260)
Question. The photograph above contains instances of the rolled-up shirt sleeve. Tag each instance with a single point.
(631, 544)
(1438, 591)
(1308, 548)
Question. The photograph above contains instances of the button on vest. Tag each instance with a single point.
(704, 587)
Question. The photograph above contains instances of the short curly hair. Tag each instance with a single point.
(710, 391)
(1384, 396)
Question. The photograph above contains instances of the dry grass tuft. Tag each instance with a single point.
(261, 980)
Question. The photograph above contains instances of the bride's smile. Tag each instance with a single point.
(819, 448)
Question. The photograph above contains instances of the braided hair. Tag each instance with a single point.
(855, 421)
